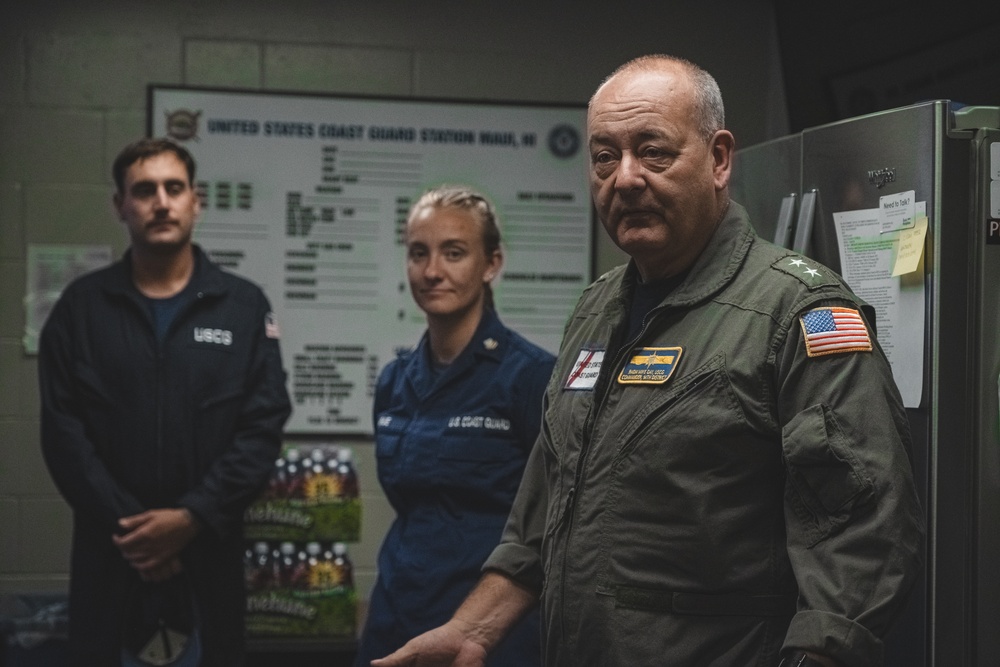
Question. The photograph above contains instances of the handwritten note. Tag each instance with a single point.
(911, 247)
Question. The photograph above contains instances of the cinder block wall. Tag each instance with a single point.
(73, 77)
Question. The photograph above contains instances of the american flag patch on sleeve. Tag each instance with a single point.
(832, 330)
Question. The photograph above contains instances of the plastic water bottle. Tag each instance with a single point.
(260, 574)
(295, 478)
(347, 473)
(342, 564)
(286, 570)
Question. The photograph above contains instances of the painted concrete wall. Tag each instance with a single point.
(73, 77)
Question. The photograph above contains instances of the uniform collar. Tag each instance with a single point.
(206, 279)
(715, 268)
(489, 339)
(488, 343)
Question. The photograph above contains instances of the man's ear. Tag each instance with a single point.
(723, 146)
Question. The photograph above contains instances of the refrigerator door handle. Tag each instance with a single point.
(786, 215)
(804, 225)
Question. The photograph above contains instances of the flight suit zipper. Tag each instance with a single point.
(600, 394)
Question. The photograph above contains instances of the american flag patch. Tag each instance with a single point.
(833, 330)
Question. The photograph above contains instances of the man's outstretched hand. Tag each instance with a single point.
(445, 646)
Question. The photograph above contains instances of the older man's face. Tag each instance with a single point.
(654, 177)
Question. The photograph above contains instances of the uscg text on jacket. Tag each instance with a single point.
(216, 336)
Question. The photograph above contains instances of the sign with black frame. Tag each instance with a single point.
(308, 195)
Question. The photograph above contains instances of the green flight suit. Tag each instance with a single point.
(708, 492)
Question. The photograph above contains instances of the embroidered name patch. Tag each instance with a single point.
(833, 330)
(583, 377)
(650, 365)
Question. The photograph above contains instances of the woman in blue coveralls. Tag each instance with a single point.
(455, 419)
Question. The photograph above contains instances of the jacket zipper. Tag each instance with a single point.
(159, 413)
(161, 381)
(601, 394)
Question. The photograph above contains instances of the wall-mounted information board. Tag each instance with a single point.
(307, 195)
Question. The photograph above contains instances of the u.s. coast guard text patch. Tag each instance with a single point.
(584, 374)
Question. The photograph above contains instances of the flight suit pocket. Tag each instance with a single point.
(827, 484)
(685, 457)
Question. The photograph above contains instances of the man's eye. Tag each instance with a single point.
(603, 164)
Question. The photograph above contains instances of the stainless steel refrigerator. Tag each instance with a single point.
(942, 160)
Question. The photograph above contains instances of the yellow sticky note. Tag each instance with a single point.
(910, 247)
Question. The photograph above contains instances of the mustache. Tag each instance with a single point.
(162, 221)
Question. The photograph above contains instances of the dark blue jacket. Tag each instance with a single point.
(451, 450)
(130, 424)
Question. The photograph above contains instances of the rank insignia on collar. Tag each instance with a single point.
(650, 365)
(834, 330)
(491, 344)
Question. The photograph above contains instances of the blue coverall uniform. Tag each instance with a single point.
(451, 448)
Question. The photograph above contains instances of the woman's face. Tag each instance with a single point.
(446, 262)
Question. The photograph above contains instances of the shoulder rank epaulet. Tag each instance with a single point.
(809, 272)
